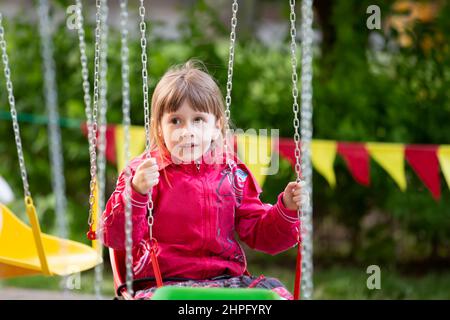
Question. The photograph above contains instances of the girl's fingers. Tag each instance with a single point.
(304, 197)
(147, 163)
(151, 182)
(150, 170)
(152, 174)
(291, 186)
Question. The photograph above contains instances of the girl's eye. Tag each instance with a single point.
(175, 121)
(199, 119)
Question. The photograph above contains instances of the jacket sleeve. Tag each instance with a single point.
(265, 227)
(113, 218)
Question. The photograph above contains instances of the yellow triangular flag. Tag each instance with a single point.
(391, 157)
(444, 159)
(136, 146)
(256, 152)
(322, 157)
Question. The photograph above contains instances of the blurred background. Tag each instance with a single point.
(383, 85)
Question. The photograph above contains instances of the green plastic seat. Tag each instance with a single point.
(189, 293)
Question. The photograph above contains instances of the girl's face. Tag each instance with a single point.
(188, 133)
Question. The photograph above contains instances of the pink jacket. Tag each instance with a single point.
(195, 219)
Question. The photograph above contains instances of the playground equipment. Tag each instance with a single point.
(121, 260)
(26, 250)
(19, 258)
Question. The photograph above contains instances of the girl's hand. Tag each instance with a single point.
(295, 195)
(146, 176)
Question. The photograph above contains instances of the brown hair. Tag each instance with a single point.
(190, 82)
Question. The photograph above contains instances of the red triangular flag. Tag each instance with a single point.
(110, 136)
(286, 148)
(357, 159)
(110, 152)
(423, 159)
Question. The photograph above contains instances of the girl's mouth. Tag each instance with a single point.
(189, 145)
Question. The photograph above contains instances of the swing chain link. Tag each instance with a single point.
(12, 104)
(51, 102)
(124, 54)
(142, 27)
(93, 141)
(54, 132)
(298, 142)
(84, 70)
(102, 124)
(303, 144)
(295, 107)
(234, 9)
(307, 130)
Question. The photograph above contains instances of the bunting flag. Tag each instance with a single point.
(357, 159)
(136, 146)
(110, 152)
(444, 160)
(323, 154)
(391, 157)
(424, 161)
(257, 153)
(286, 148)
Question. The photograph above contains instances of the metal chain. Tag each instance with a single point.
(88, 108)
(101, 161)
(102, 122)
(143, 27)
(51, 101)
(93, 141)
(234, 9)
(306, 132)
(84, 70)
(295, 106)
(92, 118)
(124, 55)
(55, 149)
(12, 105)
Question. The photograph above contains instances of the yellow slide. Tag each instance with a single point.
(24, 250)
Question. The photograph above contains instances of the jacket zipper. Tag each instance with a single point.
(205, 226)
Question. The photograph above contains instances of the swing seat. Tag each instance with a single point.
(117, 258)
(24, 250)
(186, 293)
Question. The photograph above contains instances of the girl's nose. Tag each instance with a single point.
(187, 132)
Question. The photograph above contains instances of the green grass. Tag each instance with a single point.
(335, 283)
(86, 283)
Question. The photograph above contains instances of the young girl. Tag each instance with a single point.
(201, 195)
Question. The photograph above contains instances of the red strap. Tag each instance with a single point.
(154, 258)
(298, 272)
(256, 281)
